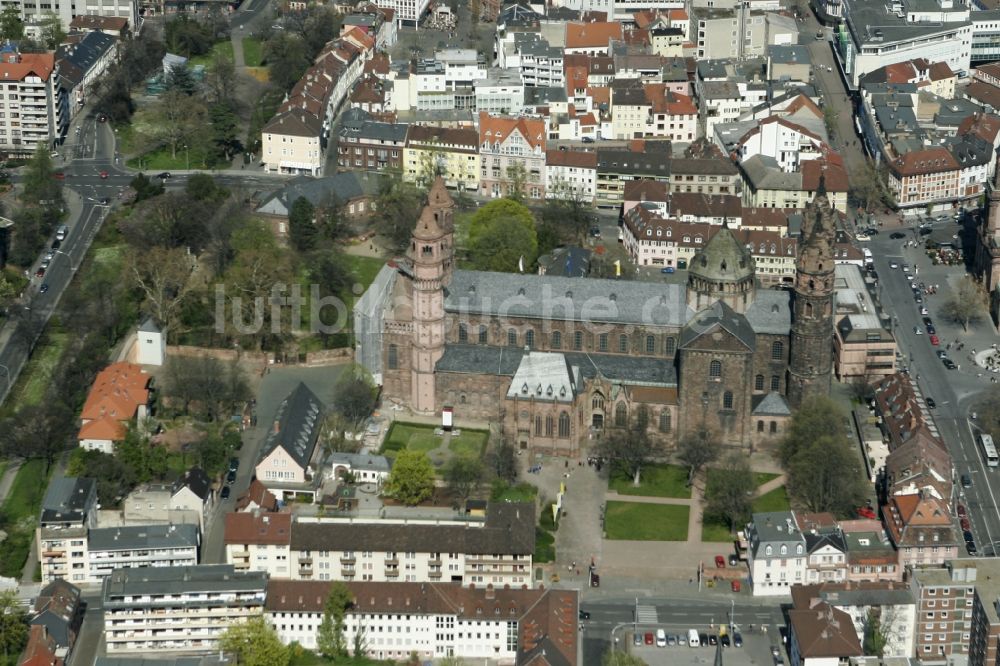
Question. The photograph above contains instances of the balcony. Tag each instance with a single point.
(434, 575)
(435, 562)
(306, 562)
(306, 570)
(348, 559)
(392, 562)
(347, 573)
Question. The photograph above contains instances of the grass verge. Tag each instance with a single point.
(253, 52)
(36, 375)
(469, 443)
(20, 513)
(655, 481)
(412, 436)
(776, 500)
(633, 521)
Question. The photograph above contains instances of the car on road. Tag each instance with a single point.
(924, 310)
(863, 237)
(637, 640)
(896, 235)
(733, 560)
(164, 175)
(935, 340)
(738, 640)
(44, 288)
(59, 175)
(966, 482)
(917, 330)
(950, 364)
(105, 201)
(584, 615)
(595, 232)
(967, 535)
(40, 272)
(906, 268)
(931, 402)
(893, 264)
(942, 354)
(928, 321)
(231, 477)
(104, 174)
(720, 562)
(234, 464)
(667, 270)
(102, 118)
(226, 492)
(931, 330)
(925, 231)
(587, 139)
(965, 524)
(970, 547)
(961, 511)
(648, 638)
(713, 639)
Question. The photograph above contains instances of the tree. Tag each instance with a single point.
(148, 461)
(163, 275)
(627, 450)
(354, 395)
(180, 78)
(145, 188)
(615, 657)
(503, 462)
(220, 80)
(830, 117)
(37, 432)
(202, 187)
(397, 206)
(876, 635)
(11, 25)
(332, 218)
(517, 176)
(287, 59)
(729, 492)
(255, 643)
(224, 131)
(411, 480)
(816, 418)
(330, 640)
(462, 474)
(188, 37)
(432, 163)
(176, 118)
(502, 237)
(697, 449)
(302, 225)
(215, 387)
(965, 306)
(40, 188)
(13, 626)
(51, 32)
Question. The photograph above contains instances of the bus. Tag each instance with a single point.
(989, 450)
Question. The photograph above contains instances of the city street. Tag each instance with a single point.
(955, 391)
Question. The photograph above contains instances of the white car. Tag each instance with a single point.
(917, 330)
(893, 264)
(924, 311)
(863, 237)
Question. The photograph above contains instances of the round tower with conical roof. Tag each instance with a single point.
(432, 253)
(722, 271)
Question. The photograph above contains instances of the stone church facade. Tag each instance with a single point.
(556, 361)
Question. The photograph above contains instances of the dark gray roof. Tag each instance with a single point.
(361, 461)
(509, 530)
(175, 580)
(143, 536)
(770, 312)
(722, 316)
(817, 541)
(75, 60)
(148, 326)
(572, 299)
(376, 131)
(504, 361)
(792, 54)
(197, 480)
(296, 426)
(68, 499)
(58, 609)
(969, 150)
(542, 95)
(347, 186)
(772, 404)
(615, 160)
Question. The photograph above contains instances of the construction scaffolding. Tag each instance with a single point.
(369, 314)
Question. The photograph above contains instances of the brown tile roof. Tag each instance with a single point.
(258, 528)
(984, 93)
(378, 65)
(824, 631)
(91, 22)
(294, 122)
(644, 18)
(754, 216)
(600, 94)
(984, 125)
(991, 69)
(637, 37)
(830, 168)
(571, 158)
(919, 521)
(40, 650)
(499, 128)
(706, 205)
(592, 35)
(644, 189)
(104, 428)
(808, 521)
(449, 139)
(940, 71)
(257, 494)
(509, 529)
(922, 461)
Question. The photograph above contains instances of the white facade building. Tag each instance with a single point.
(777, 553)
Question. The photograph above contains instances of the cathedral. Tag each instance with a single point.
(554, 361)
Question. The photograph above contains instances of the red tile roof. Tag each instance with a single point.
(19, 66)
(258, 528)
(499, 128)
(117, 392)
(592, 35)
(930, 160)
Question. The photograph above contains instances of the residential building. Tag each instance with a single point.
(119, 397)
(616, 167)
(291, 142)
(864, 347)
(766, 185)
(69, 510)
(500, 93)
(82, 62)
(363, 468)
(512, 625)
(355, 191)
(571, 174)
(159, 610)
(946, 598)
(256, 497)
(288, 463)
(787, 143)
(495, 550)
(870, 555)
(406, 12)
(933, 77)
(593, 38)
(143, 546)
(789, 63)
(820, 635)
(921, 465)
(115, 26)
(54, 621)
(511, 152)
(921, 529)
(922, 177)
(451, 152)
(901, 410)
(371, 145)
(777, 553)
(41, 649)
(35, 12)
(38, 108)
(189, 499)
(532, 59)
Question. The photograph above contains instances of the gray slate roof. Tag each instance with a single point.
(197, 480)
(504, 361)
(68, 499)
(361, 461)
(75, 60)
(792, 54)
(775, 528)
(770, 312)
(572, 299)
(143, 536)
(175, 580)
(148, 326)
(772, 404)
(509, 530)
(347, 186)
(369, 129)
(722, 316)
(298, 421)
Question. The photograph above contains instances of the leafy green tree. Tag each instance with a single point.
(51, 33)
(37, 432)
(302, 225)
(411, 480)
(354, 395)
(188, 37)
(255, 643)
(144, 187)
(147, 460)
(225, 131)
(816, 418)
(965, 307)
(615, 657)
(40, 187)
(330, 640)
(114, 478)
(729, 492)
(503, 462)
(333, 218)
(876, 635)
(180, 78)
(397, 207)
(287, 59)
(11, 25)
(502, 237)
(13, 626)
(220, 80)
(627, 449)
(462, 474)
(202, 187)
(517, 177)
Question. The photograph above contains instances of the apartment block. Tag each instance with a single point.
(436, 620)
(177, 609)
(511, 152)
(862, 344)
(946, 598)
(451, 152)
(69, 510)
(34, 12)
(370, 145)
(33, 107)
(111, 548)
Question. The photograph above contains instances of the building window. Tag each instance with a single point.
(538, 426)
(483, 336)
(393, 357)
(621, 415)
(529, 338)
(774, 427)
(650, 344)
(775, 382)
(578, 340)
(665, 424)
(727, 400)
(556, 340)
(463, 333)
(511, 337)
(548, 426)
(777, 351)
(602, 342)
(758, 383)
(715, 369)
(597, 402)
(564, 425)
(670, 347)
(760, 426)
(622, 344)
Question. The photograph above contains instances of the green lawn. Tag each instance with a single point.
(545, 546)
(411, 436)
(522, 492)
(36, 375)
(162, 159)
(469, 443)
(20, 513)
(364, 269)
(776, 500)
(760, 478)
(224, 47)
(655, 481)
(633, 521)
(714, 532)
(253, 55)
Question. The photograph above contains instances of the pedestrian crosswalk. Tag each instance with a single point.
(646, 614)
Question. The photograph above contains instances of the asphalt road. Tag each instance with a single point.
(955, 391)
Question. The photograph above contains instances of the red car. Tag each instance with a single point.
(40, 272)
(720, 562)
(104, 174)
(964, 522)
(935, 340)
(867, 512)
(59, 175)
(648, 638)
(961, 511)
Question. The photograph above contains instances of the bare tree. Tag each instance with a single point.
(163, 274)
(966, 306)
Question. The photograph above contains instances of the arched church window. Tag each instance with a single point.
(578, 340)
(758, 383)
(556, 340)
(511, 337)
(564, 425)
(463, 333)
(774, 427)
(393, 357)
(665, 421)
(622, 344)
(715, 369)
(760, 426)
(775, 383)
(777, 350)
(621, 415)
(650, 344)
(483, 335)
(670, 347)
(529, 338)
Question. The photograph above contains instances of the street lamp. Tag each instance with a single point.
(187, 158)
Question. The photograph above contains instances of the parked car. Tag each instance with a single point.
(703, 639)
(668, 269)
(40, 272)
(713, 639)
(637, 640)
(733, 560)
(725, 640)
(896, 235)
(648, 638)
(231, 477)
(587, 139)
(59, 175)
(738, 640)
(893, 264)
(226, 492)
(720, 562)
(970, 547)
(931, 330)
(961, 510)
(935, 340)
(917, 330)
(967, 535)
(44, 288)
(941, 354)
(950, 364)
(584, 615)
(164, 175)
(964, 523)
(931, 402)
(234, 464)
(56, 244)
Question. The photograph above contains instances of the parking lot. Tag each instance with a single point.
(756, 648)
